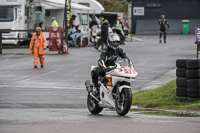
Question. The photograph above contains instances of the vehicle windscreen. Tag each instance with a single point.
(6, 14)
(124, 62)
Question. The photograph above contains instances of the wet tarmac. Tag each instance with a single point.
(53, 99)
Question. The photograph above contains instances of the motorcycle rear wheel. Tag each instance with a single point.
(123, 106)
(93, 105)
(84, 42)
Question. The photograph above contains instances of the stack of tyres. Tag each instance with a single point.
(181, 80)
(192, 79)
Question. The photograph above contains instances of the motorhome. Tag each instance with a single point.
(56, 9)
(13, 16)
(95, 5)
(17, 15)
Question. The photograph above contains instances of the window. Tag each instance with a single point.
(47, 13)
(84, 19)
(15, 13)
(85, 4)
(153, 5)
(6, 14)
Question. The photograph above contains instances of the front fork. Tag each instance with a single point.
(118, 92)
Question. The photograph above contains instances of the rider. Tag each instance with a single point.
(73, 18)
(108, 57)
(162, 22)
(119, 27)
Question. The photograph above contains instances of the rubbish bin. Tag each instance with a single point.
(185, 26)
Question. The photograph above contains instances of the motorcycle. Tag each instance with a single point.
(120, 33)
(114, 89)
(95, 34)
(76, 37)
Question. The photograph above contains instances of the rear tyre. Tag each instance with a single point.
(84, 42)
(93, 105)
(123, 106)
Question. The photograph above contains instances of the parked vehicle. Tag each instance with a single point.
(18, 14)
(95, 8)
(76, 37)
(114, 90)
(13, 16)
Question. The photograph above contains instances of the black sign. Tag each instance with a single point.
(67, 13)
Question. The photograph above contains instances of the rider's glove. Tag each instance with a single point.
(107, 69)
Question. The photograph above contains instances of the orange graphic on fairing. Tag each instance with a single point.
(109, 81)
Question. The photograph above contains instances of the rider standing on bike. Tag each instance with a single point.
(108, 57)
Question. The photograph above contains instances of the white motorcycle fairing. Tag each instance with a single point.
(119, 74)
(117, 91)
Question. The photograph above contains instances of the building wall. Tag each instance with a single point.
(174, 10)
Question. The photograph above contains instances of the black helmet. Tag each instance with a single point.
(113, 37)
(52, 19)
(73, 16)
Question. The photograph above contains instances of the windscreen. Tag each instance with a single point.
(6, 14)
(124, 62)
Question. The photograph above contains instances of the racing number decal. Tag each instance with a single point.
(127, 71)
(109, 81)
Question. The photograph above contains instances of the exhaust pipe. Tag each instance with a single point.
(88, 86)
(89, 89)
(94, 97)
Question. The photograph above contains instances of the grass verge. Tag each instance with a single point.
(163, 98)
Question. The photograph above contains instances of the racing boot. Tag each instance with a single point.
(95, 90)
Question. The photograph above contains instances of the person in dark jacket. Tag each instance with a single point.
(93, 22)
(104, 33)
(107, 58)
(72, 25)
(163, 22)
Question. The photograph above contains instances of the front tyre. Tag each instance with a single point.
(93, 105)
(124, 104)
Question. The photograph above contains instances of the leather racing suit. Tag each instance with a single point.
(107, 58)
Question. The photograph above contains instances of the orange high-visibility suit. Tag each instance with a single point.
(38, 45)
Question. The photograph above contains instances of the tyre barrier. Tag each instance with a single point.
(181, 63)
(181, 72)
(181, 81)
(188, 79)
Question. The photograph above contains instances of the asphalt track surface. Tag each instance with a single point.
(53, 99)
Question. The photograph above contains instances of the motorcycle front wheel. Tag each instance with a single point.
(84, 42)
(93, 105)
(124, 104)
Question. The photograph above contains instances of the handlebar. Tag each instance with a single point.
(107, 69)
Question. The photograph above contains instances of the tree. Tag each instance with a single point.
(115, 5)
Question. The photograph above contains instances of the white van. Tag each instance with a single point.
(13, 16)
